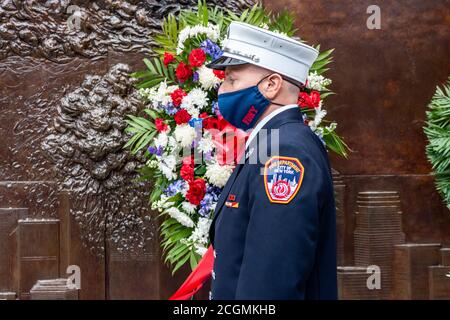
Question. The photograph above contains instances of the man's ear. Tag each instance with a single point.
(273, 85)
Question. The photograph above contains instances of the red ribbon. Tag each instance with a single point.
(229, 142)
(195, 280)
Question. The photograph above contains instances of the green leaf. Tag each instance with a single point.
(437, 130)
(134, 126)
(157, 73)
(149, 83)
(143, 132)
(179, 249)
(140, 74)
(156, 193)
(193, 260)
(151, 113)
(180, 263)
(199, 171)
(167, 223)
(143, 141)
(132, 141)
(142, 122)
(325, 94)
(335, 143)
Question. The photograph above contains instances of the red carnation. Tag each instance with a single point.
(196, 192)
(219, 73)
(177, 96)
(210, 123)
(182, 116)
(161, 126)
(183, 72)
(197, 57)
(311, 100)
(187, 172)
(168, 58)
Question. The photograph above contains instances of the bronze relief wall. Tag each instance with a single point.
(67, 189)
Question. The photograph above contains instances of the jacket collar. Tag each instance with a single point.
(285, 112)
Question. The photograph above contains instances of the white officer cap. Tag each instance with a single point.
(246, 43)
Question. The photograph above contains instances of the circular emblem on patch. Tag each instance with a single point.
(281, 189)
(283, 177)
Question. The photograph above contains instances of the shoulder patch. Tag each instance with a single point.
(283, 177)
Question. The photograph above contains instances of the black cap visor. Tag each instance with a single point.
(222, 62)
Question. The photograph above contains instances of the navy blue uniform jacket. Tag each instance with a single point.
(274, 232)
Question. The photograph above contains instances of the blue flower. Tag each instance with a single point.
(170, 109)
(214, 191)
(211, 48)
(211, 196)
(175, 187)
(195, 122)
(153, 150)
(206, 205)
(195, 77)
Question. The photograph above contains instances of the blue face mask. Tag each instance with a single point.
(242, 108)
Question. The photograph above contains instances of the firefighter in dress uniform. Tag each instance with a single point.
(274, 226)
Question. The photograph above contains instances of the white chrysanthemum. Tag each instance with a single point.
(158, 95)
(172, 143)
(317, 82)
(200, 233)
(167, 166)
(161, 140)
(199, 237)
(181, 217)
(170, 160)
(167, 171)
(207, 78)
(194, 101)
(188, 207)
(218, 175)
(206, 143)
(320, 114)
(184, 134)
(211, 31)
